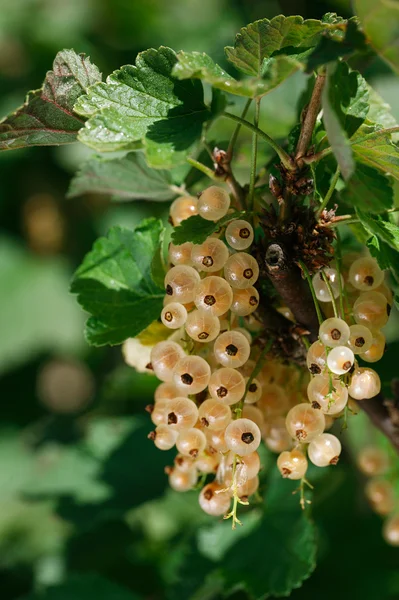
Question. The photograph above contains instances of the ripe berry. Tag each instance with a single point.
(242, 436)
(227, 385)
(274, 400)
(340, 360)
(334, 332)
(373, 461)
(316, 358)
(320, 287)
(360, 338)
(191, 374)
(174, 315)
(184, 463)
(231, 349)
(305, 423)
(164, 357)
(207, 463)
(181, 254)
(380, 493)
(247, 489)
(211, 256)
(183, 208)
(191, 442)
(324, 450)
(254, 391)
(201, 326)
(391, 530)
(239, 234)
(213, 500)
(247, 467)
(213, 203)
(166, 391)
(181, 413)
(182, 481)
(216, 441)
(377, 348)
(365, 383)
(214, 415)
(213, 294)
(372, 310)
(181, 283)
(164, 437)
(241, 270)
(320, 397)
(292, 464)
(365, 274)
(253, 413)
(276, 436)
(245, 301)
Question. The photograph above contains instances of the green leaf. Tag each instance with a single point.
(127, 178)
(380, 22)
(375, 148)
(368, 189)
(115, 286)
(386, 257)
(47, 117)
(157, 265)
(84, 586)
(380, 111)
(385, 230)
(145, 103)
(196, 229)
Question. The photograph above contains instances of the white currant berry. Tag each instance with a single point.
(254, 391)
(340, 360)
(292, 464)
(239, 234)
(227, 385)
(334, 332)
(183, 208)
(164, 437)
(191, 442)
(376, 349)
(372, 461)
(201, 326)
(365, 384)
(213, 294)
(390, 530)
(191, 374)
(253, 413)
(241, 270)
(247, 467)
(274, 400)
(174, 315)
(159, 415)
(231, 349)
(214, 414)
(242, 436)
(320, 397)
(360, 338)
(214, 500)
(324, 450)
(181, 283)
(180, 254)
(372, 310)
(381, 495)
(316, 358)
(245, 301)
(365, 274)
(247, 489)
(211, 256)
(166, 391)
(184, 463)
(183, 481)
(207, 463)
(216, 441)
(181, 413)
(320, 287)
(276, 436)
(244, 332)
(305, 423)
(213, 203)
(164, 357)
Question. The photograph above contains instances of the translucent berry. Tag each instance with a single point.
(207, 463)
(316, 358)
(166, 391)
(241, 270)
(159, 415)
(164, 437)
(324, 450)
(183, 208)
(254, 391)
(381, 495)
(377, 348)
(181, 413)
(174, 315)
(391, 530)
(231, 349)
(320, 397)
(305, 423)
(247, 489)
(340, 360)
(292, 464)
(183, 481)
(244, 332)
(201, 326)
(276, 436)
(274, 400)
(213, 414)
(227, 385)
(213, 294)
(365, 383)
(372, 461)
(210, 256)
(245, 301)
(216, 441)
(360, 338)
(164, 357)
(191, 442)
(184, 463)
(191, 374)
(213, 500)
(320, 287)
(247, 467)
(334, 332)
(181, 283)
(213, 203)
(239, 234)
(253, 413)
(372, 310)
(242, 436)
(365, 274)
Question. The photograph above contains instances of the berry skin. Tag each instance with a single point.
(365, 384)
(377, 348)
(166, 391)
(254, 391)
(316, 358)
(247, 489)
(183, 481)
(207, 463)
(340, 360)
(164, 357)
(180, 254)
(334, 332)
(174, 315)
(242, 437)
(201, 326)
(216, 441)
(181, 413)
(372, 310)
(274, 400)
(319, 398)
(305, 423)
(365, 274)
(184, 463)
(181, 283)
(214, 415)
(191, 442)
(373, 461)
(324, 450)
(247, 467)
(360, 339)
(211, 256)
(214, 295)
(245, 301)
(213, 203)
(276, 436)
(253, 413)
(391, 530)
(227, 385)
(239, 234)
(214, 500)
(232, 349)
(380, 493)
(320, 287)
(191, 374)
(292, 464)
(183, 208)
(164, 437)
(241, 270)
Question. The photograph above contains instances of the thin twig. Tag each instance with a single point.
(310, 283)
(236, 131)
(329, 192)
(312, 111)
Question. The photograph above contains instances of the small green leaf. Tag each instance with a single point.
(145, 103)
(380, 22)
(127, 178)
(368, 189)
(380, 111)
(114, 284)
(383, 229)
(375, 148)
(196, 229)
(386, 257)
(47, 117)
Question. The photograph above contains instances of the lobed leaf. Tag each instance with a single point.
(375, 148)
(382, 228)
(47, 117)
(368, 189)
(114, 284)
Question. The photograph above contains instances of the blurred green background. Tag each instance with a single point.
(83, 500)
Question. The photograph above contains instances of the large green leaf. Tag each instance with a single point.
(84, 586)
(127, 178)
(145, 103)
(368, 189)
(385, 230)
(375, 148)
(115, 286)
(349, 97)
(380, 22)
(47, 117)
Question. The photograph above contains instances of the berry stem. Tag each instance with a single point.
(254, 155)
(310, 283)
(328, 284)
(312, 110)
(237, 129)
(342, 292)
(330, 192)
(201, 167)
